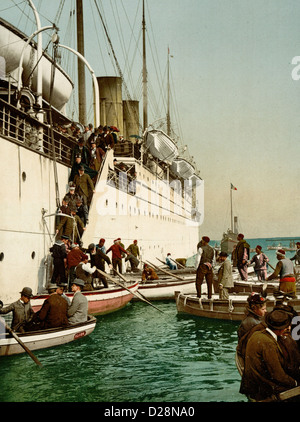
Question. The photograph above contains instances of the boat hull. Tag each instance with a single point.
(100, 302)
(161, 145)
(43, 339)
(166, 290)
(232, 309)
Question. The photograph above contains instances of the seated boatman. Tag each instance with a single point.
(264, 374)
(54, 310)
(21, 309)
(78, 311)
(170, 263)
(286, 273)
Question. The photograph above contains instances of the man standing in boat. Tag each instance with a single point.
(59, 255)
(205, 267)
(242, 256)
(260, 263)
(296, 257)
(134, 255)
(285, 271)
(78, 311)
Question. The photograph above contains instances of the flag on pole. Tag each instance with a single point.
(233, 187)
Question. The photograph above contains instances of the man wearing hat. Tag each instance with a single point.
(85, 188)
(116, 249)
(81, 150)
(254, 313)
(59, 255)
(78, 311)
(205, 269)
(53, 312)
(84, 272)
(260, 263)
(225, 278)
(296, 257)
(134, 255)
(98, 259)
(71, 196)
(108, 138)
(101, 245)
(21, 309)
(264, 374)
(96, 154)
(242, 252)
(71, 226)
(149, 273)
(74, 257)
(285, 271)
(170, 263)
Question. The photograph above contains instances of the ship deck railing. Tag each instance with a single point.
(21, 128)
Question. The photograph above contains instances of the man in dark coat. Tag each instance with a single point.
(99, 261)
(264, 374)
(85, 188)
(54, 310)
(59, 255)
(81, 150)
(75, 169)
(21, 310)
(72, 227)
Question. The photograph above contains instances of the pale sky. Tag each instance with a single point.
(236, 98)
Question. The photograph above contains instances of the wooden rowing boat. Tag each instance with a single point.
(165, 289)
(292, 394)
(100, 302)
(232, 309)
(42, 339)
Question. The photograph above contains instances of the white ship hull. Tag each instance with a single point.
(161, 210)
(160, 225)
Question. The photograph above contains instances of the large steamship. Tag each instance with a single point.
(161, 206)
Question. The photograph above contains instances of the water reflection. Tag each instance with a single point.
(136, 354)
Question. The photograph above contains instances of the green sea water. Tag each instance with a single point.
(137, 354)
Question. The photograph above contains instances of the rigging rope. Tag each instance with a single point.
(53, 68)
(117, 63)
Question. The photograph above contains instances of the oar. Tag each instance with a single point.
(138, 292)
(166, 272)
(124, 287)
(23, 345)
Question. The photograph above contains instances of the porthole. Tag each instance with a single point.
(33, 255)
(1, 256)
(24, 176)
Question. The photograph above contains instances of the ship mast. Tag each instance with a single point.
(145, 94)
(80, 64)
(168, 106)
(231, 213)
